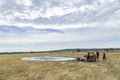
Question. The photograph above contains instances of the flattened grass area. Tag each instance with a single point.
(13, 68)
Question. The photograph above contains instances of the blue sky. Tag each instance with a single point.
(38, 25)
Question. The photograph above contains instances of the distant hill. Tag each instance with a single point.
(66, 50)
(85, 49)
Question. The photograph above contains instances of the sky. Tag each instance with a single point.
(40, 25)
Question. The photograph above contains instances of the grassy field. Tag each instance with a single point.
(13, 68)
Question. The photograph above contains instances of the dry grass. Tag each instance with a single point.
(12, 68)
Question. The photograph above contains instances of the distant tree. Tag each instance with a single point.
(31, 51)
(78, 50)
(110, 49)
(106, 49)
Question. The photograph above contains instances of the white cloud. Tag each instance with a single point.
(80, 20)
(48, 9)
(69, 35)
(68, 13)
(24, 2)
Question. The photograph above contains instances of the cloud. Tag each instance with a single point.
(32, 36)
(45, 14)
(44, 21)
(24, 2)
(59, 14)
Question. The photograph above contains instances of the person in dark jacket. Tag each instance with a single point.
(97, 55)
(104, 56)
(88, 56)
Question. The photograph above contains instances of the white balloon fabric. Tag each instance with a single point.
(48, 58)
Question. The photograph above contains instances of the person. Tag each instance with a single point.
(78, 59)
(85, 57)
(88, 56)
(97, 55)
(92, 57)
(104, 56)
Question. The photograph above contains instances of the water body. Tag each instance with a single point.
(48, 58)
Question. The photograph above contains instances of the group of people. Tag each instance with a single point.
(103, 57)
(92, 57)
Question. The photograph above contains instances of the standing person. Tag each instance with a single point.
(104, 56)
(88, 56)
(97, 55)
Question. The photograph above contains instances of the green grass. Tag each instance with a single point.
(13, 68)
